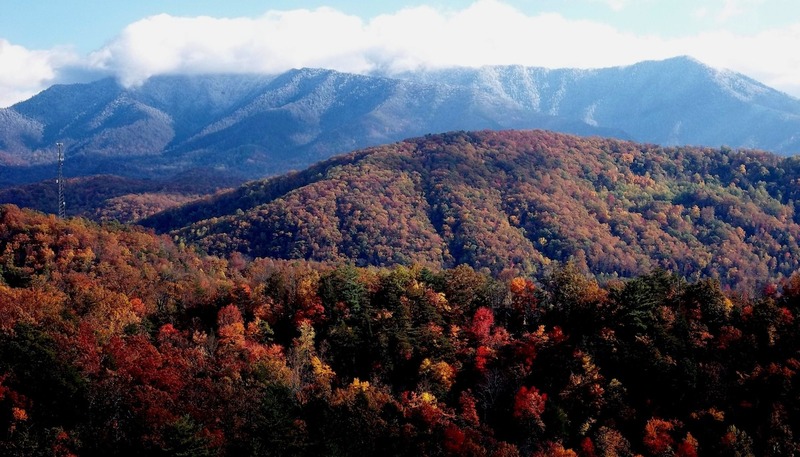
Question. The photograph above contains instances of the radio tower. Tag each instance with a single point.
(62, 207)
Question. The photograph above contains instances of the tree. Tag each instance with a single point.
(184, 438)
(657, 438)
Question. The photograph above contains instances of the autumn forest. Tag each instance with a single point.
(465, 294)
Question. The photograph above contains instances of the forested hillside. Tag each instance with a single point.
(114, 341)
(516, 201)
(125, 200)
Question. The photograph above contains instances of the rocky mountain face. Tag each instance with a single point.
(253, 126)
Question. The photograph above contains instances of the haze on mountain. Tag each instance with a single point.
(513, 202)
(253, 126)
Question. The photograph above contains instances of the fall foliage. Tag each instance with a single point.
(116, 341)
(513, 202)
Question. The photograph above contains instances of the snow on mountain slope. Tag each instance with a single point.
(257, 125)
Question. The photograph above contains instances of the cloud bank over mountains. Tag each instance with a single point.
(489, 32)
(25, 72)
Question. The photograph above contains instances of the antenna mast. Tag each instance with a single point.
(62, 207)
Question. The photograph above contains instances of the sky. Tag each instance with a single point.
(46, 42)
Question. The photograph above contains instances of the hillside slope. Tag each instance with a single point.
(109, 197)
(518, 200)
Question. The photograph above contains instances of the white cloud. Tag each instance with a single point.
(24, 72)
(274, 42)
(487, 32)
(700, 13)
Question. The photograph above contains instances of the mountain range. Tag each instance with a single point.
(251, 126)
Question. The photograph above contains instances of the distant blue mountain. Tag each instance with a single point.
(254, 126)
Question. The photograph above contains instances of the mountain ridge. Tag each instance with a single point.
(256, 125)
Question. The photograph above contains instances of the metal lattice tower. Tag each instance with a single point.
(62, 206)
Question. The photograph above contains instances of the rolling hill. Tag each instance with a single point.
(517, 201)
(256, 126)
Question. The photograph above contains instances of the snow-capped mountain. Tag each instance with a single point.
(258, 125)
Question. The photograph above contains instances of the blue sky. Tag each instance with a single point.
(47, 42)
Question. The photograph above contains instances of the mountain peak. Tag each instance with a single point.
(685, 59)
